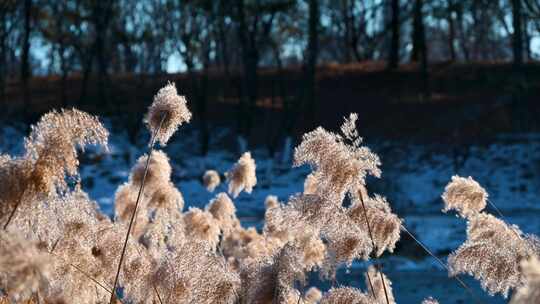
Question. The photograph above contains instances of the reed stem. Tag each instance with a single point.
(467, 288)
(132, 220)
(12, 214)
(373, 244)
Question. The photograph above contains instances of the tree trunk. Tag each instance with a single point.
(86, 60)
(517, 37)
(419, 37)
(347, 16)
(528, 38)
(451, 30)
(64, 71)
(250, 62)
(462, 35)
(25, 57)
(223, 40)
(202, 101)
(312, 51)
(102, 10)
(393, 59)
(419, 53)
(3, 53)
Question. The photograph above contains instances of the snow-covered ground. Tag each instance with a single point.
(414, 176)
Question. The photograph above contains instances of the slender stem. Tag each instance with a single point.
(84, 273)
(225, 265)
(300, 295)
(497, 210)
(132, 220)
(373, 244)
(467, 288)
(153, 285)
(371, 285)
(12, 214)
(157, 293)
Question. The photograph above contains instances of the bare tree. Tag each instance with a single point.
(517, 37)
(25, 57)
(419, 51)
(193, 24)
(312, 53)
(450, 10)
(100, 16)
(254, 24)
(54, 26)
(7, 10)
(393, 58)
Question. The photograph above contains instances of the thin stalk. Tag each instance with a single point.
(300, 295)
(132, 220)
(497, 210)
(12, 214)
(153, 285)
(373, 244)
(276, 291)
(88, 276)
(467, 288)
(225, 265)
(504, 218)
(157, 293)
(371, 285)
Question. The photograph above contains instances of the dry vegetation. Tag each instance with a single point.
(57, 247)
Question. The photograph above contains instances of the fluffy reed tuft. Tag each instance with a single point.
(313, 296)
(345, 295)
(52, 143)
(430, 300)
(211, 180)
(159, 170)
(465, 196)
(195, 275)
(170, 108)
(201, 225)
(223, 210)
(271, 201)
(50, 155)
(24, 270)
(242, 175)
(385, 226)
(491, 254)
(340, 163)
(379, 290)
(530, 291)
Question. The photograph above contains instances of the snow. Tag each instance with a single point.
(414, 176)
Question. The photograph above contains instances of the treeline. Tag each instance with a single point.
(93, 40)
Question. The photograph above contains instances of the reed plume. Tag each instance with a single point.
(24, 270)
(430, 300)
(465, 196)
(313, 296)
(493, 249)
(379, 286)
(211, 180)
(271, 201)
(167, 112)
(242, 175)
(384, 225)
(340, 163)
(201, 226)
(345, 295)
(50, 155)
(530, 291)
(223, 210)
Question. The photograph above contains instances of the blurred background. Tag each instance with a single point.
(442, 87)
